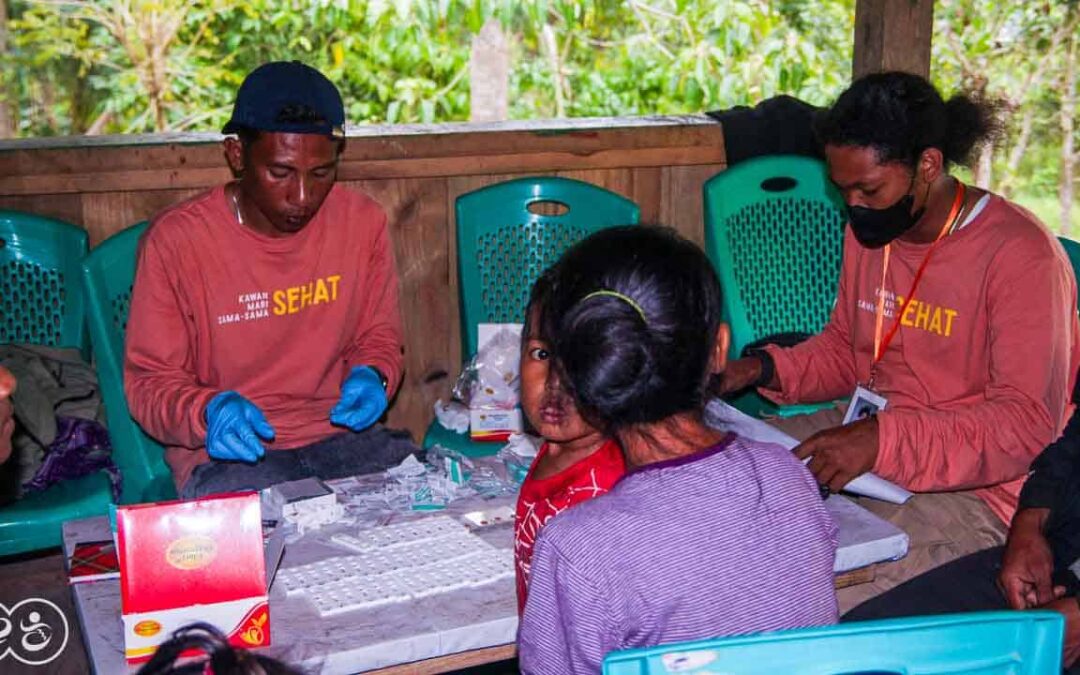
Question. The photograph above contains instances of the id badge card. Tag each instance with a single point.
(864, 403)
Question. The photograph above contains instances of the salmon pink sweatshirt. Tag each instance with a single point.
(217, 306)
(979, 373)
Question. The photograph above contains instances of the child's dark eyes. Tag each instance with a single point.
(539, 354)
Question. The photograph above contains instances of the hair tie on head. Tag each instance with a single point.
(625, 298)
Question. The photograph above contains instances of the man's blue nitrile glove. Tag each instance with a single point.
(234, 426)
(363, 400)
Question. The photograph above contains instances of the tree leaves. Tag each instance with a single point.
(402, 60)
(87, 64)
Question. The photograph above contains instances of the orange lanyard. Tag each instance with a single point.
(881, 345)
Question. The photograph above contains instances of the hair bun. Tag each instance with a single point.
(611, 355)
(970, 122)
(634, 315)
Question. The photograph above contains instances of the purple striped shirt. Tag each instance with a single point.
(734, 539)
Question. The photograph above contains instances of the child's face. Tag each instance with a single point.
(551, 411)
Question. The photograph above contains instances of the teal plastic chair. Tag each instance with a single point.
(1072, 249)
(108, 274)
(41, 299)
(35, 522)
(774, 231)
(982, 643)
(504, 242)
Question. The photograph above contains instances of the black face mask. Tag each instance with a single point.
(875, 228)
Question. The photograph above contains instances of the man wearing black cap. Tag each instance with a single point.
(264, 314)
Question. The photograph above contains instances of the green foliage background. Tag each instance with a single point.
(407, 60)
(84, 65)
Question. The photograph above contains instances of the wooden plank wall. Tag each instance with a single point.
(107, 184)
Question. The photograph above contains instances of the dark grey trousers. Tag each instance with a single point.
(341, 455)
(967, 584)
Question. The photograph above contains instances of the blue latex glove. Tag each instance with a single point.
(234, 426)
(363, 400)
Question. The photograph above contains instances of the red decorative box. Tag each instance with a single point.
(186, 561)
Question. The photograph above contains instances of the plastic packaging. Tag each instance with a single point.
(463, 385)
(518, 455)
(305, 504)
(454, 465)
(497, 366)
(452, 415)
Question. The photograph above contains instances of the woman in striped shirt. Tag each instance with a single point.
(708, 534)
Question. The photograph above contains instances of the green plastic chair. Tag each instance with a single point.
(977, 643)
(35, 522)
(41, 299)
(504, 242)
(108, 274)
(774, 230)
(1072, 249)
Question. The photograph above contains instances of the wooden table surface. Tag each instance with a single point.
(43, 577)
(493, 656)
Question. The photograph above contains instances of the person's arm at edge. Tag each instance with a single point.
(1027, 566)
(1052, 470)
(7, 413)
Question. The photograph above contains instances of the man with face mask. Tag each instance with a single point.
(954, 305)
(264, 339)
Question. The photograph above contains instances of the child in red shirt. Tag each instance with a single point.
(575, 463)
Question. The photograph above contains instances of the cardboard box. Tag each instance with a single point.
(494, 415)
(93, 561)
(185, 561)
(494, 424)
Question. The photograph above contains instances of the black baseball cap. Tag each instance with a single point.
(273, 87)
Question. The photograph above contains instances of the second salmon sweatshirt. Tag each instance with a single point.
(979, 374)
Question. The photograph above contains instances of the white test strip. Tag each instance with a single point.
(398, 563)
(347, 595)
(401, 533)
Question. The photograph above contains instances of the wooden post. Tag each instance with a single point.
(489, 74)
(1068, 125)
(7, 105)
(892, 35)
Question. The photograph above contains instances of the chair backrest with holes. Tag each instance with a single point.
(41, 299)
(774, 230)
(508, 233)
(108, 275)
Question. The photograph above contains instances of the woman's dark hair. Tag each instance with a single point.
(901, 114)
(634, 313)
(536, 310)
(222, 657)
